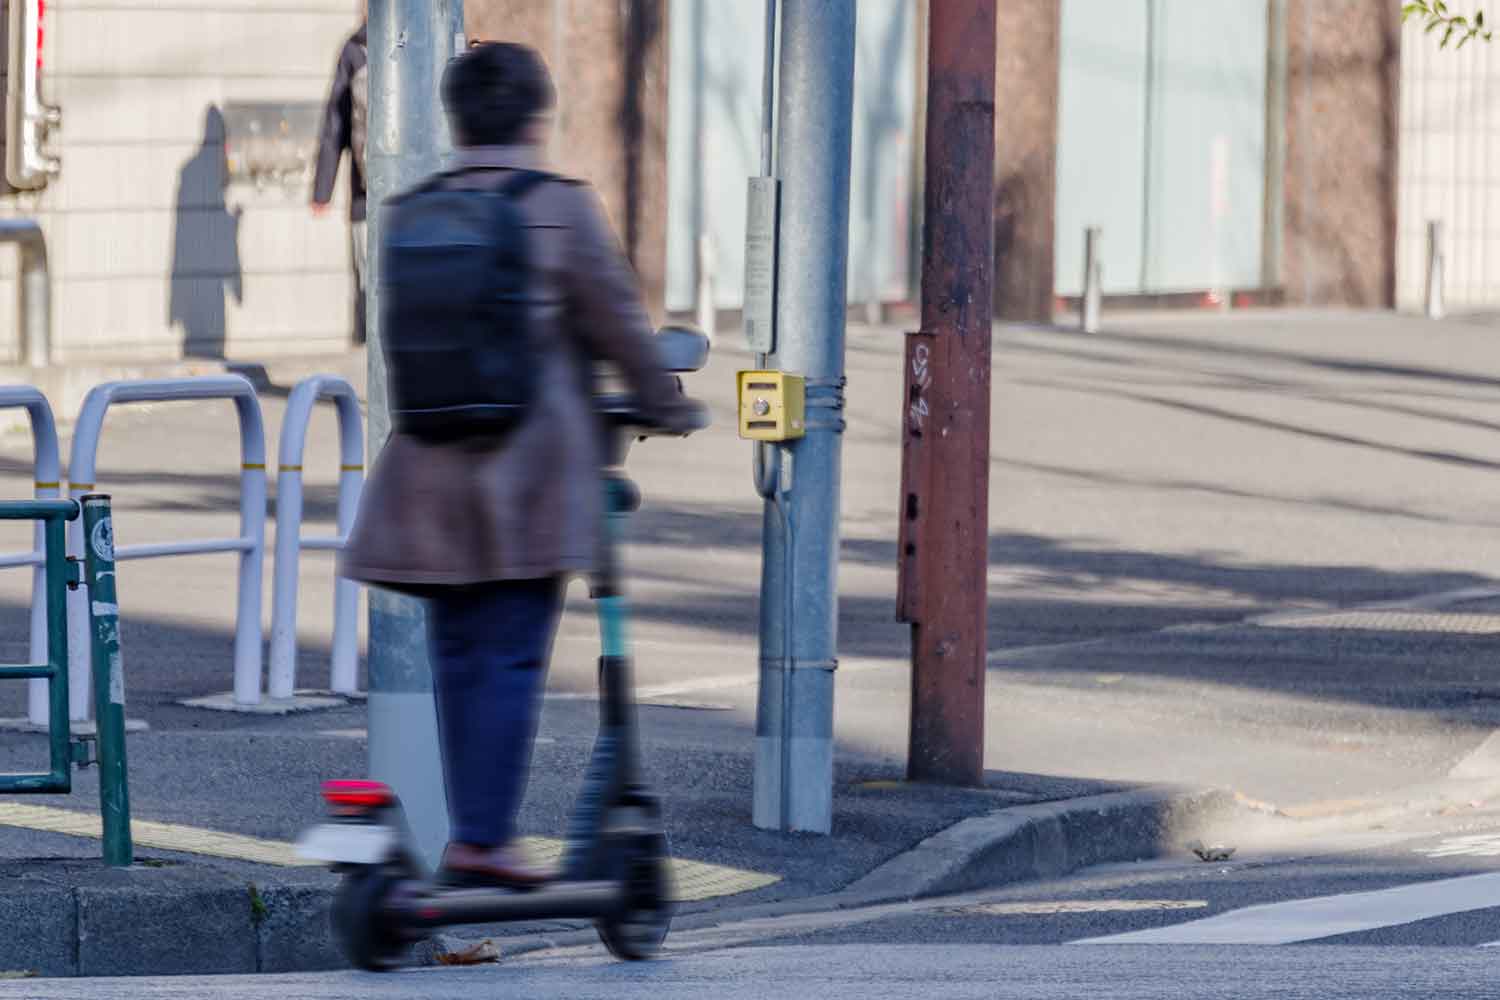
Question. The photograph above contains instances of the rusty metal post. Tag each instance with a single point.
(944, 533)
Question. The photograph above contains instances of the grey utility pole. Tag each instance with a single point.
(410, 43)
(799, 575)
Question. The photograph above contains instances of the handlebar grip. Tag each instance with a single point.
(701, 417)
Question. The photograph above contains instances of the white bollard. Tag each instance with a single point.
(250, 543)
(47, 476)
(1434, 303)
(1093, 280)
(247, 633)
(344, 667)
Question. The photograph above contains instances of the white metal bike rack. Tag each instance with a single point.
(250, 543)
(47, 473)
(344, 669)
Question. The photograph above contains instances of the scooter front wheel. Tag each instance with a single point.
(636, 931)
(362, 923)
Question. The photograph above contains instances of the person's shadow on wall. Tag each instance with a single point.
(205, 247)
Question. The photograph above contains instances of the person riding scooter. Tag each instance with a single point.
(486, 497)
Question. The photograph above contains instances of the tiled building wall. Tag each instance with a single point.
(152, 257)
(1450, 150)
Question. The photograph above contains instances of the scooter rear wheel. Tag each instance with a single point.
(361, 922)
(637, 931)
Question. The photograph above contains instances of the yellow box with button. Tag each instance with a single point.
(773, 406)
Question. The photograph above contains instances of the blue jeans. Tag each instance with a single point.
(490, 644)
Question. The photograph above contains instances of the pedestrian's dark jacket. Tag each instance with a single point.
(336, 136)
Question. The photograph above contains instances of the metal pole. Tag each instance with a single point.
(1274, 210)
(1434, 307)
(109, 678)
(1093, 280)
(34, 304)
(410, 43)
(799, 583)
(707, 302)
(918, 159)
(944, 532)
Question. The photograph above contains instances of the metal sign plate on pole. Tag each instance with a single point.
(760, 265)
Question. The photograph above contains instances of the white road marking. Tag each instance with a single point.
(1481, 762)
(1050, 908)
(1479, 845)
(721, 682)
(1325, 916)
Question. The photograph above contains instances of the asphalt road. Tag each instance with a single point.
(898, 972)
(1374, 914)
(1155, 488)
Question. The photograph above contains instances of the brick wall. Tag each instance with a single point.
(1343, 67)
(609, 60)
(1025, 157)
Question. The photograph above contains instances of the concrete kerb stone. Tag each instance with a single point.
(41, 932)
(1016, 844)
(293, 931)
(130, 931)
(123, 929)
(1039, 841)
(145, 921)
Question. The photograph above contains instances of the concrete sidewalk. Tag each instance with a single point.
(1159, 491)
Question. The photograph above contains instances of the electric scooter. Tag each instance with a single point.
(614, 867)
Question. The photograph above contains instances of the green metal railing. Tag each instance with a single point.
(53, 514)
(108, 670)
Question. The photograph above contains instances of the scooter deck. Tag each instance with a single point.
(435, 907)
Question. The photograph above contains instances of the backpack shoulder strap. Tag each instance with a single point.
(516, 183)
(521, 181)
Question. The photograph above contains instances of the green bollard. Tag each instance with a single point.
(109, 678)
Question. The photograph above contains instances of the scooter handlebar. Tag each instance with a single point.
(689, 417)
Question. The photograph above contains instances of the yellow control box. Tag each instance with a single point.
(773, 406)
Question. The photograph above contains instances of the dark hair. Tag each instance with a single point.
(493, 90)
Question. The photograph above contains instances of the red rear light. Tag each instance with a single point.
(358, 794)
(41, 12)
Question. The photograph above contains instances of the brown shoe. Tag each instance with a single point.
(468, 866)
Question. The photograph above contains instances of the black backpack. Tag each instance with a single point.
(455, 314)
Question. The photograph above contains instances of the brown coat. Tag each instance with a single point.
(530, 505)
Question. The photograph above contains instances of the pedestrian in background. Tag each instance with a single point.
(344, 121)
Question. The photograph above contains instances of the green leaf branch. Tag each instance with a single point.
(1437, 17)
